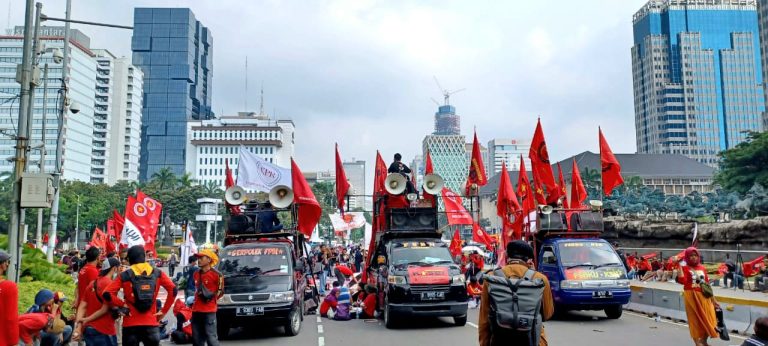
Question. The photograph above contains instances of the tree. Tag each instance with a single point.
(164, 178)
(212, 190)
(186, 181)
(745, 165)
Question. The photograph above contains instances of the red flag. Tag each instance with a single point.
(454, 209)
(309, 210)
(561, 185)
(429, 169)
(540, 166)
(506, 205)
(611, 167)
(229, 181)
(111, 236)
(578, 192)
(99, 239)
(380, 176)
(479, 235)
(524, 189)
(476, 168)
(119, 222)
(342, 185)
(135, 222)
(455, 247)
(155, 210)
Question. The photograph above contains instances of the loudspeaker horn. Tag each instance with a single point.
(433, 184)
(235, 195)
(395, 183)
(281, 196)
(547, 209)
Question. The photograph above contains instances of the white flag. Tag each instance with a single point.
(255, 173)
(350, 220)
(131, 235)
(695, 233)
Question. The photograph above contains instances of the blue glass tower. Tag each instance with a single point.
(175, 53)
(696, 76)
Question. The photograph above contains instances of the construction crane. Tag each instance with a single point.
(446, 93)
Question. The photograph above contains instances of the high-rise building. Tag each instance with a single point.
(175, 52)
(508, 150)
(125, 122)
(762, 16)
(447, 122)
(78, 127)
(355, 171)
(418, 165)
(449, 159)
(697, 76)
(102, 112)
(214, 141)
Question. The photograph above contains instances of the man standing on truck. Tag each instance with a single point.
(519, 261)
(209, 284)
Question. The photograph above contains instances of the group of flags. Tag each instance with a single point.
(137, 227)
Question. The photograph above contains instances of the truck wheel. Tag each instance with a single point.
(222, 329)
(293, 325)
(388, 321)
(614, 312)
(460, 321)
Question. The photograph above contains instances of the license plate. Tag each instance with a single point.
(602, 294)
(250, 311)
(432, 295)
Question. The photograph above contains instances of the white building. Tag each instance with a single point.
(78, 127)
(102, 112)
(355, 171)
(125, 122)
(212, 142)
(509, 151)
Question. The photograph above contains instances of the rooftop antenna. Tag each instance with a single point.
(246, 84)
(446, 93)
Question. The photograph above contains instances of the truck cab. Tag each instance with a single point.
(264, 282)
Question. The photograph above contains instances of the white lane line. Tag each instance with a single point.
(684, 325)
(472, 324)
(319, 329)
(321, 341)
(319, 320)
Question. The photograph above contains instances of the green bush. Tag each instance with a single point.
(35, 266)
(28, 290)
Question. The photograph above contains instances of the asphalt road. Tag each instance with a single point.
(577, 329)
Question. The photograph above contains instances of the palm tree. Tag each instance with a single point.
(165, 178)
(212, 189)
(186, 180)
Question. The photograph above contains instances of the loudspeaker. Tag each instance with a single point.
(433, 184)
(395, 183)
(412, 219)
(281, 196)
(587, 221)
(240, 224)
(235, 195)
(554, 221)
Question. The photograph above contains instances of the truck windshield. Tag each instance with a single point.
(254, 261)
(420, 252)
(588, 254)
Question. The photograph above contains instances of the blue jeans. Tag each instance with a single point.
(49, 339)
(94, 338)
(323, 277)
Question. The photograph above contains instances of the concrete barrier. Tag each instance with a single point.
(667, 302)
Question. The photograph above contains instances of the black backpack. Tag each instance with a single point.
(515, 303)
(143, 287)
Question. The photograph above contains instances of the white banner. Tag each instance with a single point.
(255, 173)
(350, 220)
(131, 235)
(368, 235)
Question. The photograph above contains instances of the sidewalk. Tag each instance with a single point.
(723, 295)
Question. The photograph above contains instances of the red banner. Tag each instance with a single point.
(610, 166)
(540, 166)
(506, 205)
(476, 168)
(481, 236)
(342, 184)
(309, 210)
(454, 209)
(99, 239)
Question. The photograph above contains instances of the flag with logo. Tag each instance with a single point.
(540, 166)
(476, 168)
(135, 217)
(454, 208)
(479, 235)
(255, 173)
(154, 213)
(342, 184)
(611, 176)
(99, 239)
(455, 247)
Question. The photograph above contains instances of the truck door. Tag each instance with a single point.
(548, 266)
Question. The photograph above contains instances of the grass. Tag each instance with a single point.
(28, 290)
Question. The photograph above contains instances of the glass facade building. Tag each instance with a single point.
(175, 53)
(697, 76)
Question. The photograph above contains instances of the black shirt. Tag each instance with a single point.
(399, 167)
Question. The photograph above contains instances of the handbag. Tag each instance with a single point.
(721, 328)
(706, 290)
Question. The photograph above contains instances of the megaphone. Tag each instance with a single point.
(473, 189)
(395, 183)
(547, 209)
(281, 196)
(235, 195)
(433, 184)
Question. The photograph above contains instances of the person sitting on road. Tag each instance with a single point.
(369, 302)
(33, 324)
(474, 290)
(760, 338)
(330, 302)
(343, 305)
(761, 280)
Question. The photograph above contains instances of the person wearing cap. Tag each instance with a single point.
(88, 274)
(33, 325)
(209, 284)
(140, 326)
(519, 260)
(48, 302)
(9, 304)
(95, 321)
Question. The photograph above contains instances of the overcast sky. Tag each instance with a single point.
(360, 72)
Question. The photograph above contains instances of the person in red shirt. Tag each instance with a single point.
(88, 274)
(9, 304)
(140, 325)
(95, 321)
(369, 303)
(33, 323)
(209, 287)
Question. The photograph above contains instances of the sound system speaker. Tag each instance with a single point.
(587, 221)
(554, 221)
(240, 224)
(412, 219)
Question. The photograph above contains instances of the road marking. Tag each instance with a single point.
(673, 323)
(319, 320)
(319, 329)
(321, 341)
(472, 325)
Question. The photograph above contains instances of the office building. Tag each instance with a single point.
(697, 76)
(174, 51)
(78, 128)
(449, 159)
(125, 122)
(214, 141)
(447, 122)
(355, 171)
(508, 150)
(762, 16)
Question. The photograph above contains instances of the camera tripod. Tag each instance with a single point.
(739, 269)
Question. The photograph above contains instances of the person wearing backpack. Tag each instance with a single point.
(507, 317)
(210, 287)
(140, 285)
